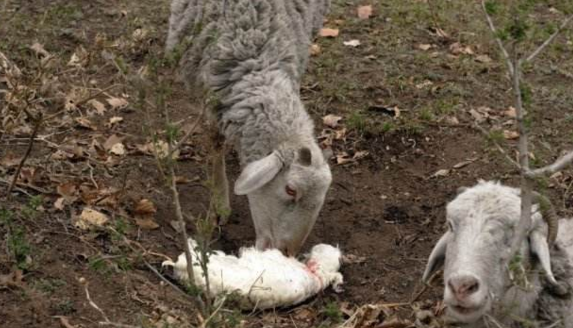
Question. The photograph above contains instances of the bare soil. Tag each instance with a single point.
(385, 208)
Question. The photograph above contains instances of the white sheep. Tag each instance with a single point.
(482, 283)
(265, 279)
(249, 55)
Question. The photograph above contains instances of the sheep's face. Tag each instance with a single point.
(475, 249)
(285, 198)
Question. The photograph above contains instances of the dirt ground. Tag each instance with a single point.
(407, 96)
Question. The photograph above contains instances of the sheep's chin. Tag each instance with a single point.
(466, 315)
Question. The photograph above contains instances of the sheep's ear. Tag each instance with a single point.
(437, 257)
(258, 173)
(540, 248)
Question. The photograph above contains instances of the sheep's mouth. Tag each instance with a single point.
(465, 314)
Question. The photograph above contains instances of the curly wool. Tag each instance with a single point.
(249, 54)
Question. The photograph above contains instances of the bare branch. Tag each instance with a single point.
(549, 40)
(38, 122)
(557, 166)
(107, 322)
(497, 39)
(189, 133)
(499, 147)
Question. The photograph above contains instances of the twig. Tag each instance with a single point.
(557, 166)
(498, 146)
(39, 121)
(549, 40)
(189, 133)
(107, 322)
(497, 39)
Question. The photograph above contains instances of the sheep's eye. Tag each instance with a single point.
(291, 192)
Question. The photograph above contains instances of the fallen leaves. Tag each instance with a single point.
(329, 32)
(331, 120)
(144, 212)
(117, 102)
(90, 218)
(364, 12)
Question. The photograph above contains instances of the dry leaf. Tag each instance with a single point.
(510, 135)
(117, 103)
(118, 149)
(10, 160)
(424, 47)
(441, 173)
(424, 84)
(331, 120)
(352, 43)
(145, 207)
(89, 218)
(111, 141)
(68, 191)
(146, 223)
(39, 50)
(85, 123)
(483, 59)
(98, 106)
(510, 112)
(457, 49)
(114, 120)
(329, 32)
(315, 49)
(59, 203)
(364, 12)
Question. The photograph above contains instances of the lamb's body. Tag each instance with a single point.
(266, 279)
(247, 57)
(482, 221)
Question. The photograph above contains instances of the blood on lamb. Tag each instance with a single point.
(483, 283)
(247, 58)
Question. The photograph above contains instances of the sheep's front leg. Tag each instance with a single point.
(222, 204)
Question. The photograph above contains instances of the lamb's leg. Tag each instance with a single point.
(222, 204)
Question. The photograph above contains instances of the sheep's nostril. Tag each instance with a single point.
(464, 286)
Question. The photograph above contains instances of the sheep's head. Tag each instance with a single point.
(482, 221)
(286, 191)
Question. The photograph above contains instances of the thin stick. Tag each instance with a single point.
(180, 143)
(39, 121)
(557, 166)
(549, 40)
(523, 148)
(499, 147)
(497, 39)
(107, 322)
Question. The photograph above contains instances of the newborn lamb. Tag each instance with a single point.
(265, 279)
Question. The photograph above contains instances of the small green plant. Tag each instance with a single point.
(49, 286)
(356, 121)
(98, 264)
(16, 241)
(426, 115)
(65, 307)
(332, 311)
(30, 210)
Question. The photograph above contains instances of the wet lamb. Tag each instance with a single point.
(247, 57)
(481, 283)
(265, 279)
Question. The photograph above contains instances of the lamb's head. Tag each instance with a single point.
(325, 260)
(475, 250)
(286, 191)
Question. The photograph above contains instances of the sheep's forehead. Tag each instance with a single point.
(484, 202)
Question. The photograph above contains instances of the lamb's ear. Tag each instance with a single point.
(258, 173)
(437, 257)
(540, 248)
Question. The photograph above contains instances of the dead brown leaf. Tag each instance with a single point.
(315, 49)
(458, 49)
(364, 12)
(90, 218)
(510, 135)
(510, 112)
(117, 102)
(85, 123)
(483, 59)
(145, 207)
(111, 141)
(98, 106)
(329, 32)
(331, 120)
(146, 223)
(424, 47)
